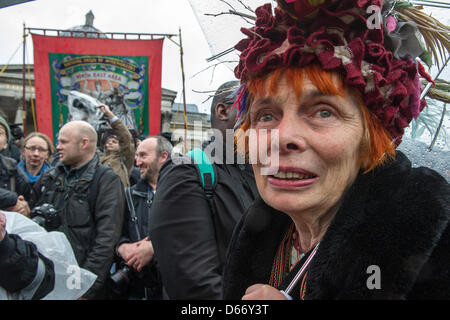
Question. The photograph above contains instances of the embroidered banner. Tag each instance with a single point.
(124, 74)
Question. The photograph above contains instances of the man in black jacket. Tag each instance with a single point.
(190, 234)
(88, 198)
(135, 247)
(22, 268)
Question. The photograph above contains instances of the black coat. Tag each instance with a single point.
(395, 218)
(134, 231)
(142, 201)
(92, 235)
(8, 169)
(20, 265)
(182, 228)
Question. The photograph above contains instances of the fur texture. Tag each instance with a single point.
(395, 217)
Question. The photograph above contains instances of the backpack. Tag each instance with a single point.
(206, 172)
(92, 188)
(208, 179)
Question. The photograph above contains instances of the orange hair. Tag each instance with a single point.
(321, 79)
(376, 145)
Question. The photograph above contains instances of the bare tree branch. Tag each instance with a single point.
(228, 4)
(246, 6)
(213, 66)
(236, 13)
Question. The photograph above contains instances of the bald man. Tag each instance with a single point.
(89, 201)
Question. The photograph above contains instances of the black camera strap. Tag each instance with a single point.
(132, 211)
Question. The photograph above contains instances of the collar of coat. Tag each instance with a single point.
(141, 188)
(85, 171)
(392, 218)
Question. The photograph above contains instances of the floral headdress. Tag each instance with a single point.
(374, 45)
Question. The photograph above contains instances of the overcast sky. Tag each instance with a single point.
(145, 16)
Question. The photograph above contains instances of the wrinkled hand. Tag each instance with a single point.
(106, 110)
(21, 207)
(126, 250)
(2, 226)
(263, 292)
(142, 255)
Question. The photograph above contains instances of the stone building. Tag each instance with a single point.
(20, 110)
(172, 118)
(198, 125)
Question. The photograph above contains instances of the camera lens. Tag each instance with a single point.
(40, 220)
(121, 276)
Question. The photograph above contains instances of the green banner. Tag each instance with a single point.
(120, 82)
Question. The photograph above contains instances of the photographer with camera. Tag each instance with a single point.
(138, 276)
(84, 200)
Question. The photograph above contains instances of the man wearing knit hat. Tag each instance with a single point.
(14, 186)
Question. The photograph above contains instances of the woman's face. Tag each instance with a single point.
(319, 147)
(35, 152)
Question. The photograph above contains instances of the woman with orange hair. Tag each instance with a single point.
(342, 215)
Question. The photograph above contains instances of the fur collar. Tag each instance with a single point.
(393, 218)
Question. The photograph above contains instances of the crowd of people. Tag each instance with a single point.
(88, 189)
(343, 215)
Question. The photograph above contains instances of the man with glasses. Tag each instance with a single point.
(14, 185)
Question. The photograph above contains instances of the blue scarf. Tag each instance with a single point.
(32, 178)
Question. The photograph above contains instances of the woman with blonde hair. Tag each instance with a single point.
(36, 152)
(342, 214)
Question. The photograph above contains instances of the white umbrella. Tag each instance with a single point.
(420, 156)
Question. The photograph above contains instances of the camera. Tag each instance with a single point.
(126, 282)
(119, 281)
(46, 216)
(122, 276)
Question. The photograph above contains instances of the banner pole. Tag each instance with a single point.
(184, 92)
(24, 103)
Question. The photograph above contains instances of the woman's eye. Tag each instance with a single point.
(265, 118)
(324, 113)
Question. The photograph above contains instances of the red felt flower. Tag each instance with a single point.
(339, 39)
